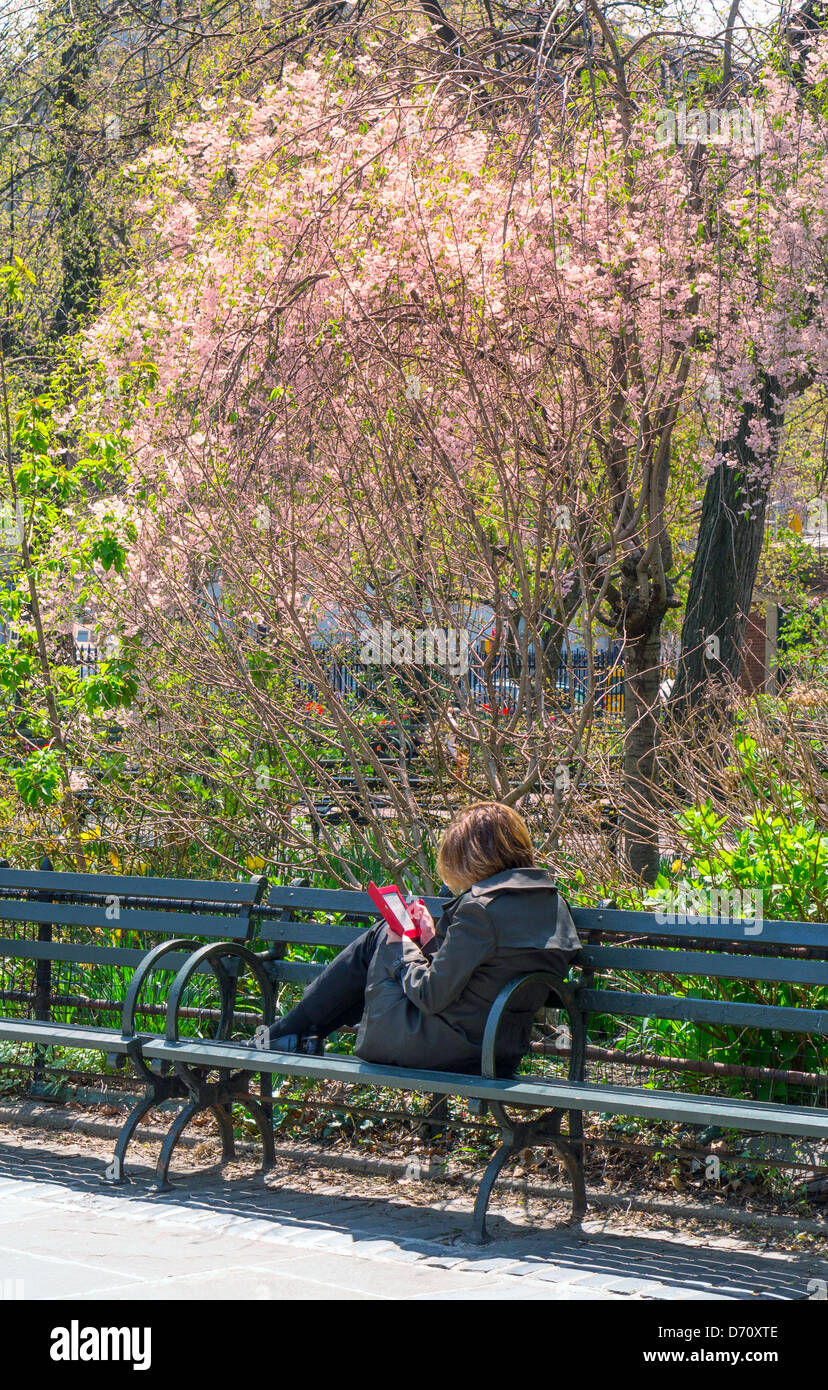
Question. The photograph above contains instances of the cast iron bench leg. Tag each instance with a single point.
(224, 1117)
(576, 1144)
(223, 1111)
(571, 1157)
(174, 1133)
(115, 1172)
(568, 1147)
(264, 1123)
(546, 1132)
(478, 1234)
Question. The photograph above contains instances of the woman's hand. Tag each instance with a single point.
(421, 915)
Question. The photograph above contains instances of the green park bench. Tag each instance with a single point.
(529, 1108)
(169, 917)
(631, 966)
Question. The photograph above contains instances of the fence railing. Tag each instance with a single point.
(88, 658)
(496, 687)
(499, 685)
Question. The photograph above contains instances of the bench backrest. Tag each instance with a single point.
(622, 949)
(624, 943)
(106, 904)
(616, 944)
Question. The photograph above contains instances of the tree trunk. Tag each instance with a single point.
(77, 230)
(641, 715)
(730, 538)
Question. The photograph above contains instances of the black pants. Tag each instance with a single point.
(336, 998)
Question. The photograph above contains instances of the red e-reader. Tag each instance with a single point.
(392, 905)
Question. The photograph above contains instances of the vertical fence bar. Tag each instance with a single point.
(42, 989)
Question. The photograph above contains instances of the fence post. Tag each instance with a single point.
(42, 989)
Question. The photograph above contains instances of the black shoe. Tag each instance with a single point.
(285, 1042)
(309, 1044)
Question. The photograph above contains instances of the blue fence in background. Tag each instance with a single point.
(495, 688)
(498, 688)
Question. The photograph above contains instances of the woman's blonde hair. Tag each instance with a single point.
(483, 840)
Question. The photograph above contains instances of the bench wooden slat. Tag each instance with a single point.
(297, 971)
(190, 889)
(627, 923)
(129, 919)
(788, 1020)
(348, 900)
(617, 1100)
(308, 933)
(646, 960)
(321, 900)
(50, 1034)
(183, 889)
(642, 959)
(69, 953)
(631, 923)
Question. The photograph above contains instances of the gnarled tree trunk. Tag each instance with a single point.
(641, 714)
(730, 538)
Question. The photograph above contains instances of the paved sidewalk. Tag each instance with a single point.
(65, 1235)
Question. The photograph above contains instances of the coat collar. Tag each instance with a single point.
(512, 880)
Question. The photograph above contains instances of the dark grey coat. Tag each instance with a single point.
(428, 1008)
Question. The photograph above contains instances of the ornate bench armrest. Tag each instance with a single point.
(213, 955)
(559, 989)
(147, 964)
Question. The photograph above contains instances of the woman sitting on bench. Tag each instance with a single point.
(424, 1003)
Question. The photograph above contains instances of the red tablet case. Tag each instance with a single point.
(379, 896)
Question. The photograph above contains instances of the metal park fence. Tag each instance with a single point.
(497, 686)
